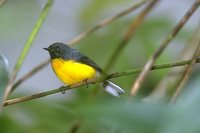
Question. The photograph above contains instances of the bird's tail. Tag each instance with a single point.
(112, 88)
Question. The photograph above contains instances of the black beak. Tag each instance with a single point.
(46, 49)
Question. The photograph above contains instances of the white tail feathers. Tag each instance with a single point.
(112, 88)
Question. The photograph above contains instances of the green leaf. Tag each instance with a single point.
(3, 74)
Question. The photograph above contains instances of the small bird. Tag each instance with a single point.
(73, 67)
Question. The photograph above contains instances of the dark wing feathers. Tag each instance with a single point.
(84, 59)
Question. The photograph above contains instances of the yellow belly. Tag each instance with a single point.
(71, 72)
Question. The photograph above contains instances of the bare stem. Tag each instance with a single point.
(30, 73)
(186, 75)
(130, 32)
(105, 22)
(114, 75)
(137, 84)
(26, 48)
(171, 79)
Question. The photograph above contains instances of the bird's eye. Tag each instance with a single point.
(57, 48)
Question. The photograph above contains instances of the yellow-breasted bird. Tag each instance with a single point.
(72, 67)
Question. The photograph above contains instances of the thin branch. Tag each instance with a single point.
(137, 84)
(114, 75)
(171, 79)
(130, 32)
(30, 73)
(186, 75)
(155, 67)
(82, 35)
(26, 48)
(46, 93)
(105, 22)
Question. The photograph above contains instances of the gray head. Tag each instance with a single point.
(58, 50)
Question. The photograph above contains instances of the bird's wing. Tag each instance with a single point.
(85, 60)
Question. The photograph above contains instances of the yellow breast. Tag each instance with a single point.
(71, 72)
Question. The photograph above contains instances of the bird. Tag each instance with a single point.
(73, 67)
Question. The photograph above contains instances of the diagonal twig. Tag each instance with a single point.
(114, 75)
(29, 74)
(186, 74)
(130, 32)
(171, 79)
(26, 48)
(137, 84)
(105, 22)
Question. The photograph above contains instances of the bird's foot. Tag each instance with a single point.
(63, 89)
(85, 82)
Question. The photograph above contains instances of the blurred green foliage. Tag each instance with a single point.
(102, 113)
(18, 16)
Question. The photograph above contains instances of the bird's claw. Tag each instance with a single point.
(85, 82)
(62, 89)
